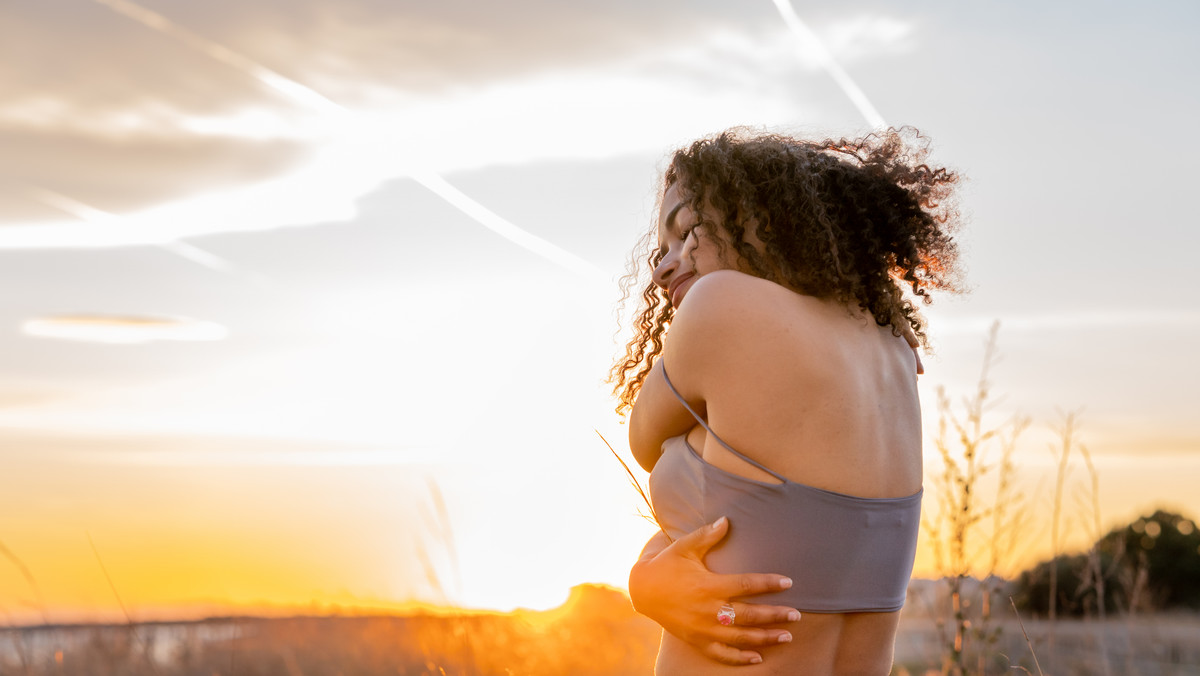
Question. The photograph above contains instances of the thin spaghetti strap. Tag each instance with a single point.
(681, 399)
(708, 429)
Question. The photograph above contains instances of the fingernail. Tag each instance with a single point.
(718, 523)
(785, 583)
(785, 638)
(755, 660)
(793, 616)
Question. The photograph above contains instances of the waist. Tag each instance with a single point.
(821, 644)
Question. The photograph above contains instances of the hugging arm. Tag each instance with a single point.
(671, 585)
(656, 417)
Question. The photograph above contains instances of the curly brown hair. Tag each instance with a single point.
(849, 220)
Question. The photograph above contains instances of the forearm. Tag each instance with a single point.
(654, 545)
(656, 416)
(640, 585)
(670, 585)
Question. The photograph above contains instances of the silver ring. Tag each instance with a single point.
(726, 616)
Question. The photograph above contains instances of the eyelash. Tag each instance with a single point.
(683, 236)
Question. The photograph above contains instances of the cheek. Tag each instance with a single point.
(708, 258)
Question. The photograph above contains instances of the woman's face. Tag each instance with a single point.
(688, 252)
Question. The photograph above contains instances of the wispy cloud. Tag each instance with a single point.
(439, 135)
(313, 155)
(342, 117)
(122, 330)
(1076, 321)
(866, 36)
(242, 457)
(289, 88)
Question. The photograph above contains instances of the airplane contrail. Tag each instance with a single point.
(489, 219)
(290, 88)
(68, 205)
(826, 61)
(312, 99)
(88, 213)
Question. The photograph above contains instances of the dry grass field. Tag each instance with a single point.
(1154, 645)
(596, 633)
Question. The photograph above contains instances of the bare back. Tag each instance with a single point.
(819, 395)
(825, 397)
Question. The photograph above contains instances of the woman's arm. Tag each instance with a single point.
(656, 416)
(699, 335)
(670, 585)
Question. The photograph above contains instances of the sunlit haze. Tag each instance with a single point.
(310, 304)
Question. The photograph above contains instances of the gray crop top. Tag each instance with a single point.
(843, 553)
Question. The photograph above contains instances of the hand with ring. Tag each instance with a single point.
(671, 586)
(725, 615)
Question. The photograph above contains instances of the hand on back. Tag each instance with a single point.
(672, 586)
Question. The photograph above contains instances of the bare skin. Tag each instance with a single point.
(813, 389)
(666, 567)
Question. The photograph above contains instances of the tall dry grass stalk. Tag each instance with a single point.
(1024, 633)
(29, 579)
(137, 636)
(1061, 453)
(1062, 457)
(1093, 576)
(1009, 518)
(21, 642)
(1094, 573)
(437, 540)
(637, 485)
(964, 440)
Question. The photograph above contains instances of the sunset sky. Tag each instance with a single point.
(308, 304)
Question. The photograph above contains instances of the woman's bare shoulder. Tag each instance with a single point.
(735, 305)
(728, 313)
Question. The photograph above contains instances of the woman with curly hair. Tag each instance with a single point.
(771, 391)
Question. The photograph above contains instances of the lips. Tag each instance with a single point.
(676, 283)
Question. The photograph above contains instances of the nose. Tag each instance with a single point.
(664, 270)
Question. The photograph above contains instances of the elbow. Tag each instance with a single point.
(646, 459)
(645, 451)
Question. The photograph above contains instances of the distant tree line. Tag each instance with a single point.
(1151, 564)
